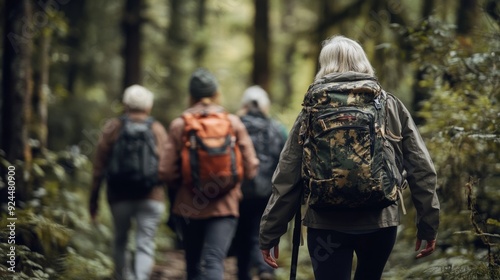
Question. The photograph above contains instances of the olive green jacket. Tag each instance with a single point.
(412, 156)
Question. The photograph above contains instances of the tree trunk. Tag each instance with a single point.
(261, 70)
(289, 49)
(201, 46)
(17, 89)
(132, 50)
(492, 8)
(76, 15)
(179, 51)
(467, 16)
(420, 93)
(427, 8)
(39, 119)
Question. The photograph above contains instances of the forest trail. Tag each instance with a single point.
(174, 267)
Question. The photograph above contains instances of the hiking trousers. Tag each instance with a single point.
(146, 214)
(206, 243)
(246, 239)
(331, 253)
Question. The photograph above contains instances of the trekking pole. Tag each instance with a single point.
(295, 244)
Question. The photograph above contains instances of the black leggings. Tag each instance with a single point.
(331, 253)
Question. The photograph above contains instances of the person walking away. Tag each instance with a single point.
(344, 160)
(209, 154)
(268, 137)
(127, 157)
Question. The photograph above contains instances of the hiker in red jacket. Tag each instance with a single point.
(205, 212)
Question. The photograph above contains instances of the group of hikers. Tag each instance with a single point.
(234, 181)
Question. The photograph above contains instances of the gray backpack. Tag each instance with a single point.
(133, 166)
(268, 140)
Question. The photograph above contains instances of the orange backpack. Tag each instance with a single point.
(211, 159)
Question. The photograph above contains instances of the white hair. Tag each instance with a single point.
(137, 97)
(340, 54)
(258, 95)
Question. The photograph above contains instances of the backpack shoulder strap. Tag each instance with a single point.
(149, 121)
(121, 129)
(123, 118)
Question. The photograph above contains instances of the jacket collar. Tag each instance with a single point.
(344, 77)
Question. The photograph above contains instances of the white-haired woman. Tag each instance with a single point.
(268, 137)
(346, 77)
(141, 199)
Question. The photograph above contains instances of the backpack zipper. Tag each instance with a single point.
(342, 127)
(342, 111)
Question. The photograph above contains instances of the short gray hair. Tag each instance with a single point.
(340, 54)
(259, 96)
(137, 97)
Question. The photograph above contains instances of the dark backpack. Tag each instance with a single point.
(133, 166)
(212, 163)
(268, 141)
(348, 163)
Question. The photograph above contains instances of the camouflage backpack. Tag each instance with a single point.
(348, 163)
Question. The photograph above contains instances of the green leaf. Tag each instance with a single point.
(493, 222)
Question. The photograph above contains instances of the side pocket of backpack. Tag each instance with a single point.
(392, 163)
(306, 156)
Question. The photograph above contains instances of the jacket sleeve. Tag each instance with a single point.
(161, 141)
(250, 160)
(421, 176)
(287, 190)
(170, 165)
(102, 154)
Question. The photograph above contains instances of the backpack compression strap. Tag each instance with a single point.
(234, 169)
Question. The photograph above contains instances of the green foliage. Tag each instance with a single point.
(462, 133)
(54, 236)
(32, 263)
(462, 114)
(452, 268)
(494, 222)
(77, 267)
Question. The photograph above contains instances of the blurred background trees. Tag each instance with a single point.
(65, 64)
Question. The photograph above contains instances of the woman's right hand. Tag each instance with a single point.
(268, 258)
(429, 248)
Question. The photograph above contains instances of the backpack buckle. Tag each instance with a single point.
(192, 141)
(378, 105)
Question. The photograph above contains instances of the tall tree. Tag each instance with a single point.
(76, 15)
(38, 119)
(132, 22)
(467, 15)
(289, 50)
(427, 8)
(420, 93)
(492, 8)
(179, 50)
(201, 16)
(261, 71)
(17, 88)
